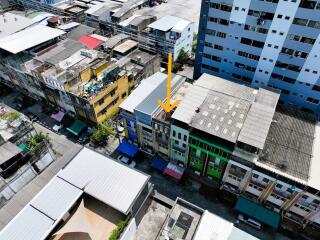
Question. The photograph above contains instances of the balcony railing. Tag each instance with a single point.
(259, 183)
(283, 194)
(178, 148)
(311, 206)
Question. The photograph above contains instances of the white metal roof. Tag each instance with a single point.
(11, 23)
(56, 198)
(180, 26)
(238, 234)
(128, 20)
(142, 91)
(29, 224)
(28, 38)
(69, 25)
(166, 23)
(214, 227)
(188, 106)
(105, 179)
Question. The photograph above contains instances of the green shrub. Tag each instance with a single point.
(120, 228)
(38, 138)
(101, 132)
(11, 116)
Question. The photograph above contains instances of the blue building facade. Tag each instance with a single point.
(274, 43)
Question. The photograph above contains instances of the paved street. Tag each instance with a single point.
(190, 191)
(187, 9)
(65, 150)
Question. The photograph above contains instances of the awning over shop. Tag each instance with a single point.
(159, 163)
(24, 147)
(174, 170)
(58, 116)
(128, 149)
(77, 127)
(258, 212)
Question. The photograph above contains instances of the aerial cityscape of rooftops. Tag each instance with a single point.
(159, 119)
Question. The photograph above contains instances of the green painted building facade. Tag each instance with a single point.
(207, 158)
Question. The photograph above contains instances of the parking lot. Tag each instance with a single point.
(187, 9)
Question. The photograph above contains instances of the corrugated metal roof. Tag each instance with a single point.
(257, 123)
(115, 40)
(188, 106)
(212, 226)
(125, 46)
(80, 31)
(109, 181)
(128, 20)
(165, 23)
(314, 180)
(56, 198)
(228, 110)
(91, 42)
(227, 87)
(142, 91)
(221, 115)
(290, 143)
(62, 51)
(29, 38)
(105, 179)
(29, 224)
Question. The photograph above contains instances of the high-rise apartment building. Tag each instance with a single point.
(273, 43)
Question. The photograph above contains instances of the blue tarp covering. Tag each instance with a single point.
(128, 149)
(159, 163)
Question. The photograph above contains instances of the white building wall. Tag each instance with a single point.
(181, 141)
(130, 231)
(240, 11)
(312, 65)
(185, 41)
(275, 39)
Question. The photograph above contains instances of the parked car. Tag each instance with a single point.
(57, 127)
(250, 221)
(32, 116)
(84, 139)
(126, 161)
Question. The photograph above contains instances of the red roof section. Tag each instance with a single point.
(91, 42)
